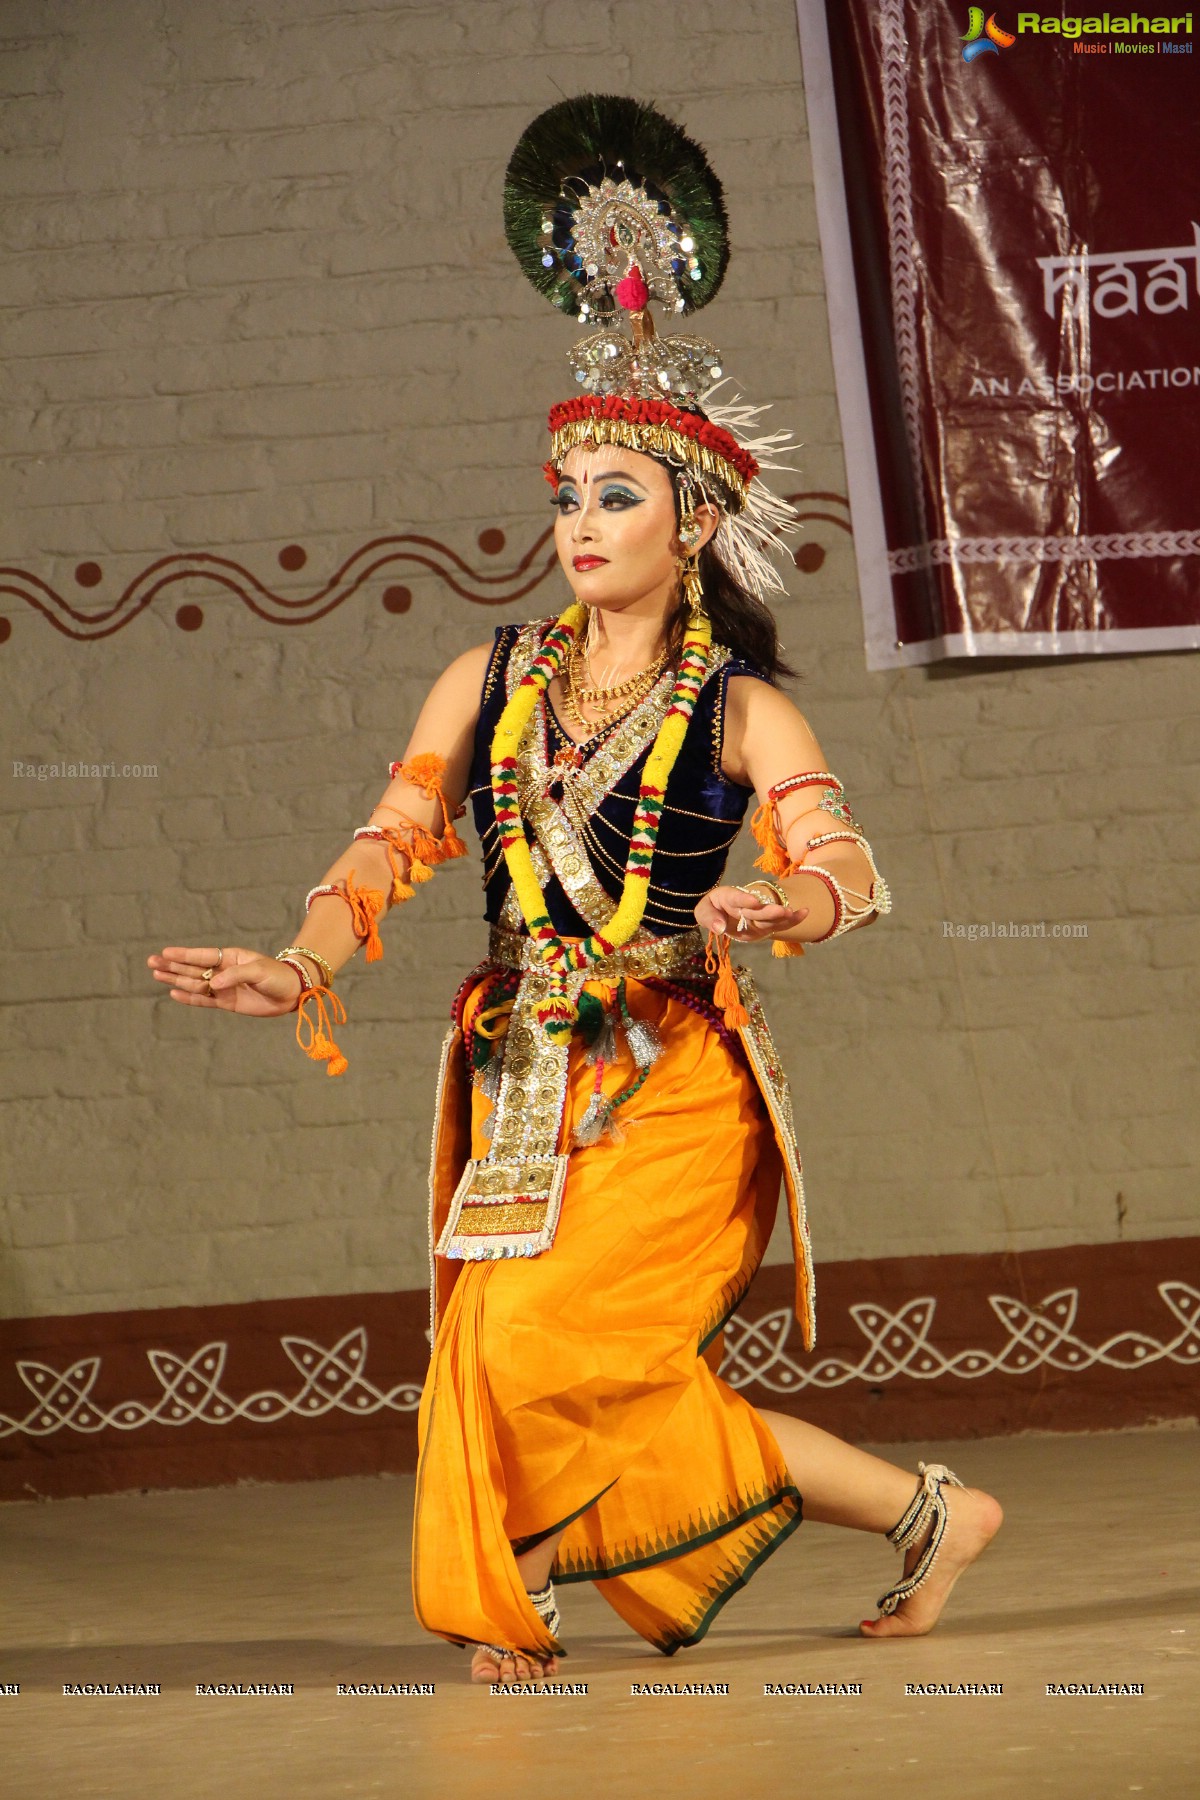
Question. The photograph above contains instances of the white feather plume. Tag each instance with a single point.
(745, 541)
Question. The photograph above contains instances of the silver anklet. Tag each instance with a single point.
(926, 1503)
(544, 1606)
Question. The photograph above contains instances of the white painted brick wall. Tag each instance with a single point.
(254, 290)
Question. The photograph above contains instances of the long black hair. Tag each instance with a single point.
(739, 621)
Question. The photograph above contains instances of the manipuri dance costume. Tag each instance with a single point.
(613, 1124)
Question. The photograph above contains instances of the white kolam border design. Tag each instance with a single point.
(192, 1394)
(898, 1343)
(756, 1353)
(876, 564)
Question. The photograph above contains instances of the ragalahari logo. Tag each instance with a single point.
(980, 39)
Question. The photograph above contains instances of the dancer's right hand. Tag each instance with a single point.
(245, 981)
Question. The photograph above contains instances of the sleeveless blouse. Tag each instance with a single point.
(702, 813)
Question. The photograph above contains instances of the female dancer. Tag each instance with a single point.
(613, 1125)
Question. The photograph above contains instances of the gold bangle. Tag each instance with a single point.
(307, 984)
(300, 950)
(750, 886)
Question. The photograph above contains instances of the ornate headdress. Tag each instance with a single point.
(607, 206)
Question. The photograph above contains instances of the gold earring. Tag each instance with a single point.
(693, 592)
(690, 533)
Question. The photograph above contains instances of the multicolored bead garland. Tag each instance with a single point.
(557, 1013)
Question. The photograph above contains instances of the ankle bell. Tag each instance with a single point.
(544, 1606)
(927, 1503)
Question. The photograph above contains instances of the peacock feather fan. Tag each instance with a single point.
(601, 183)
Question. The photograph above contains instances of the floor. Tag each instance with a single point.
(1095, 1578)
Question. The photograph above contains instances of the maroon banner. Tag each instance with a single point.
(1010, 222)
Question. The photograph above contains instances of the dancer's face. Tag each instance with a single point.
(615, 528)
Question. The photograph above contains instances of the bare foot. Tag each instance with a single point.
(972, 1520)
(515, 1666)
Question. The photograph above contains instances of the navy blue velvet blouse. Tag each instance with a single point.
(702, 812)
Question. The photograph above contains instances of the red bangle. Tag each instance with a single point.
(336, 892)
(838, 903)
(307, 984)
(813, 778)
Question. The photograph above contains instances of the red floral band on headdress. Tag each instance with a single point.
(582, 407)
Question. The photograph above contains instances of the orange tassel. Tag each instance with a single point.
(786, 947)
(725, 993)
(365, 906)
(452, 844)
(765, 826)
(400, 887)
(320, 1046)
(426, 772)
(422, 849)
(425, 848)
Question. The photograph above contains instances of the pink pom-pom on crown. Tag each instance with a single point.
(632, 292)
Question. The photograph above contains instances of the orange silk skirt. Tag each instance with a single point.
(578, 1388)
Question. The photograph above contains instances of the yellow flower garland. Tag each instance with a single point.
(558, 1013)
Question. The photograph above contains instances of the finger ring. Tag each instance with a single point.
(207, 974)
(220, 957)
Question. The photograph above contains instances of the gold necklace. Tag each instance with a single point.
(578, 693)
(593, 693)
(621, 699)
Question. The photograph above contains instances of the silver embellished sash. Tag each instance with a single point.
(508, 1202)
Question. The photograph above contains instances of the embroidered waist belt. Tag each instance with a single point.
(508, 1202)
(665, 956)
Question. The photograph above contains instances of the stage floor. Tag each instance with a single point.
(1095, 1578)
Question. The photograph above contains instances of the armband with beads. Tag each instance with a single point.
(423, 851)
(850, 907)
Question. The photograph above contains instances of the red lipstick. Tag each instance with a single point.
(589, 562)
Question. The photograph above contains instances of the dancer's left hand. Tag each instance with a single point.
(747, 918)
